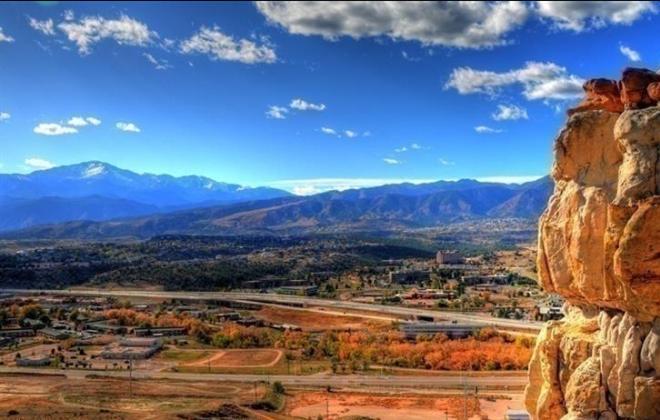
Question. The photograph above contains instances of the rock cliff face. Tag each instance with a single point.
(599, 247)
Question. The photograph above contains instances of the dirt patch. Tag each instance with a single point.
(240, 358)
(314, 321)
(384, 407)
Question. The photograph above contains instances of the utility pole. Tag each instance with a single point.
(465, 410)
(255, 392)
(130, 377)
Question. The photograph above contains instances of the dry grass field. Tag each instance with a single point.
(55, 397)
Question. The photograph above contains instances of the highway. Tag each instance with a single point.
(500, 323)
(504, 381)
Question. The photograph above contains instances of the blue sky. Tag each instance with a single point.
(306, 96)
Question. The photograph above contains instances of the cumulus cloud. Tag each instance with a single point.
(510, 112)
(220, 46)
(350, 134)
(630, 53)
(38, 163)
(401, 149)
(159, 64)
(482, 129)
(415, 146)
(454, 24)
(578, 16)
(544, 81)
(93, 121)
(277, 112)
(92, 29)
(4, 116)
(54, 129)
(302, 105)
(4, 37)
(445, 162)
(46, 27)
(391, 161)
(128, 126)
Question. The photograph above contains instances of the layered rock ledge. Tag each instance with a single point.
(599, 247)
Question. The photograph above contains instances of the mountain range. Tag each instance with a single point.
(99, 191)
(96, 200)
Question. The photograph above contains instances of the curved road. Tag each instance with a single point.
(501, 323)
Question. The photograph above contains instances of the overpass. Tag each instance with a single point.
(274, 299)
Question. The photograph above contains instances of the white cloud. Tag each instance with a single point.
(330, 131)
(219, 46)
(413, 146)
(630, 53)
(391, 161)
(277, 112)
(128, 126)
(82, 122)
(510, 112)
(69, 15)
(366, 134)
(350, 134)
(90, 30)
(482, 129)
(38, 163)
(578, 16)
(445, 162)
(544, 81)
(4, 116)
(302, 105)
(319, 185)
(159, 64)
(54, 129)
(454, 24)
(4, 37)
(77, 122)
(509, 179)
(46, 27)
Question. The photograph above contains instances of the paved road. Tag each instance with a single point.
(507, 324)
(503, 381)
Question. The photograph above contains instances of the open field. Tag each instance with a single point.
(233, 365)
(56, 397)
(316, 321)
(239, 358)
(395, 407)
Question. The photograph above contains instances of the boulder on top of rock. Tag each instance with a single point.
(634, 84)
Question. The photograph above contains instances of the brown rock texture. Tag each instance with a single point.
(600, 94)
(599, 247)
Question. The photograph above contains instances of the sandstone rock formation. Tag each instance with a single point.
(599, 247)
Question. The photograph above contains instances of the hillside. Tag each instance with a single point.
(372, 209)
